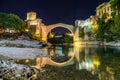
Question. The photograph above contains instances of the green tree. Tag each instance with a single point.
(3, 19)
(115, 4)
(16, 23)
(81, 33)
(67, 39)
(110, 29)
(116, 27)
(11, 21)
(101, 28)
(104, 27)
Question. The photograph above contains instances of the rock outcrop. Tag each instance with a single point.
(12, 71)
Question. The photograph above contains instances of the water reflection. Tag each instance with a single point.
(58, 51)
(88, 58)
(100, 61)
(80, 55)
(85, 57)
(85, 60)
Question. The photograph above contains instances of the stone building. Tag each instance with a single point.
(36, 25)
(104, 8)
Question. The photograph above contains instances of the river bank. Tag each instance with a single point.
(19, 49)
(113, 43)
(12, 71)
(66, 73)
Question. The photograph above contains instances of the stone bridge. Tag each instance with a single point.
(43, 30)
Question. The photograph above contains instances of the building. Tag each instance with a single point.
(31, 15)
(104, 8)
(36, 26)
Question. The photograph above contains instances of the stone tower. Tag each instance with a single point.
(31, 15)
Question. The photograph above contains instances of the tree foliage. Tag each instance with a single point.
(11, 21)
(81, 33)
(116, 27)
(110, 29)
(115, 4)
(101, 28)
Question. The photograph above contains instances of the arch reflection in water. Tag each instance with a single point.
(54, 54)
(42, 61)
(79, 55)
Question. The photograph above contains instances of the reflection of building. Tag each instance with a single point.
(70, 52)
(104, 8)
(84, 60)
(59, 51)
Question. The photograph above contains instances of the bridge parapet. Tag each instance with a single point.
(69, 27)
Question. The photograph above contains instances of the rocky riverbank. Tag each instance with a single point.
(22, 49)
(22, 53)
(19, 49)
(12, 71)
(23, 43)
(113, 43)
(66, 73)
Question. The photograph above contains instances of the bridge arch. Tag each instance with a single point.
(66, 26)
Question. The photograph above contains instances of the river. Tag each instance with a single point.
(79, 62)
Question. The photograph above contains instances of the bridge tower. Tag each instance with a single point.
(36, 25)
(82, 24)
(76, 30)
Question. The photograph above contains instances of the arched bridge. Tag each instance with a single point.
(50, 27)
(66, 26)
(43, 30)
